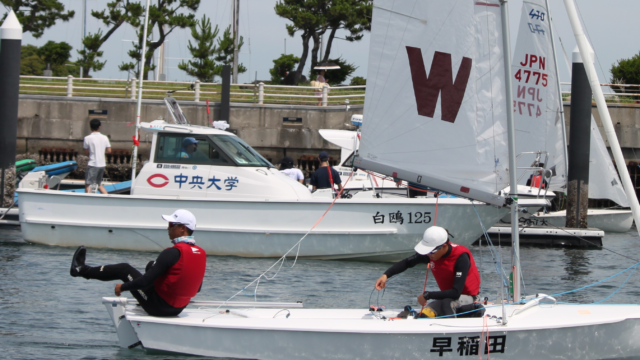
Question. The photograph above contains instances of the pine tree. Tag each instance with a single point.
(225, 52)
(202, 66)
(36, 16)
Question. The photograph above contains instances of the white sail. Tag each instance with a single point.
(604, 182)
(537, 109)
(435, 109)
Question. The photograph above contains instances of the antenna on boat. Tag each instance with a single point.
(136, 137)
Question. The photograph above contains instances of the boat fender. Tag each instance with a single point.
(471, 310)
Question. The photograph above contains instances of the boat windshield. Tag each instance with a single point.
(239, 151)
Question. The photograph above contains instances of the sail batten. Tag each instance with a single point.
(436, 107)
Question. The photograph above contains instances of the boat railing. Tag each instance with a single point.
(256, 93)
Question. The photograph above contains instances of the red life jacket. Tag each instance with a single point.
(442, 270)
(182, 281)
(536, 180)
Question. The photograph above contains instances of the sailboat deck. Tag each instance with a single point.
(363, 321)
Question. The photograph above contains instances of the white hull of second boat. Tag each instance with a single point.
(541, 332)
(352, 229)
(603, 219)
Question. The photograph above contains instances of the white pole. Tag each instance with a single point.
(555, 59)
(511, 130)
(141, 67)
(605, 117)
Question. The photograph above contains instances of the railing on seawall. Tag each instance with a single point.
(630, 93)
(192, 91)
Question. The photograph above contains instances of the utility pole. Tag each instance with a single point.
(236, 16)
(84, 31)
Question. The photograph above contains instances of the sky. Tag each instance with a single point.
(611, 27)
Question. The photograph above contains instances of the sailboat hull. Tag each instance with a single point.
(603, 219)
(353, 228)
(541, 332)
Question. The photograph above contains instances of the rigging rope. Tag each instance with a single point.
(282, 259)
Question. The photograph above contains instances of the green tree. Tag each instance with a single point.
(36, 16)
(281, 67)
(337, 76)
(358, 81)
(30, 62)
(353, 16)
(627, 71)
(165, 16)
(225, 52)
(203, 65)
(54, 53)
(307, 17)
(117, 13)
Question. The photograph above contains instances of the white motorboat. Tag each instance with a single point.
(530, 328)
(244, 206)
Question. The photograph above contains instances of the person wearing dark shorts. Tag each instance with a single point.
(95, 146)
(168, 283)
(326, 176)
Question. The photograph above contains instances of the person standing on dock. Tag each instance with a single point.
(452, 266)
(169, 283)
(325, 177)
(95, 146)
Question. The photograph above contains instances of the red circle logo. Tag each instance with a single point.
(156, 184)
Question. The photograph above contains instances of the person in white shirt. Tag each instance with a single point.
(95, 146)
(286, 167)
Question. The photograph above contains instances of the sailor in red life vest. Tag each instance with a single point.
(452, 266)
(169, 283)
(536, 180)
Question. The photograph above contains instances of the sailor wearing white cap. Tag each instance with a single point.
(453, 268)
(168, 283)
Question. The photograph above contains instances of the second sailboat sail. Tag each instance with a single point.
(536, 103)
(435, 109)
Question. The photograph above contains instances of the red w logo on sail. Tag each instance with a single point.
(427, 89)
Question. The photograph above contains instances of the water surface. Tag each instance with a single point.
(47, 314)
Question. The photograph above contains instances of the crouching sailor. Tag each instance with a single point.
(452, 266)
(169, 283)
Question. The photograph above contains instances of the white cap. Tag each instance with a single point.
(184, 217)
(432, 238)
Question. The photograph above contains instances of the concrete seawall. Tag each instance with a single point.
(274, 130)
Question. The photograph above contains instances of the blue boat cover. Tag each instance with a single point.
(59, 168)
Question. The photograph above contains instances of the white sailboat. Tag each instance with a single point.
(540, 132)
(463, 29)
(604, 183)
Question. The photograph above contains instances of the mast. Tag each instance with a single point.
(587, 58)
(511, 130)
(236, 16)
(141, 75)
(555, 61)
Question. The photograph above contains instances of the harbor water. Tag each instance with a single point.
(47, 314)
